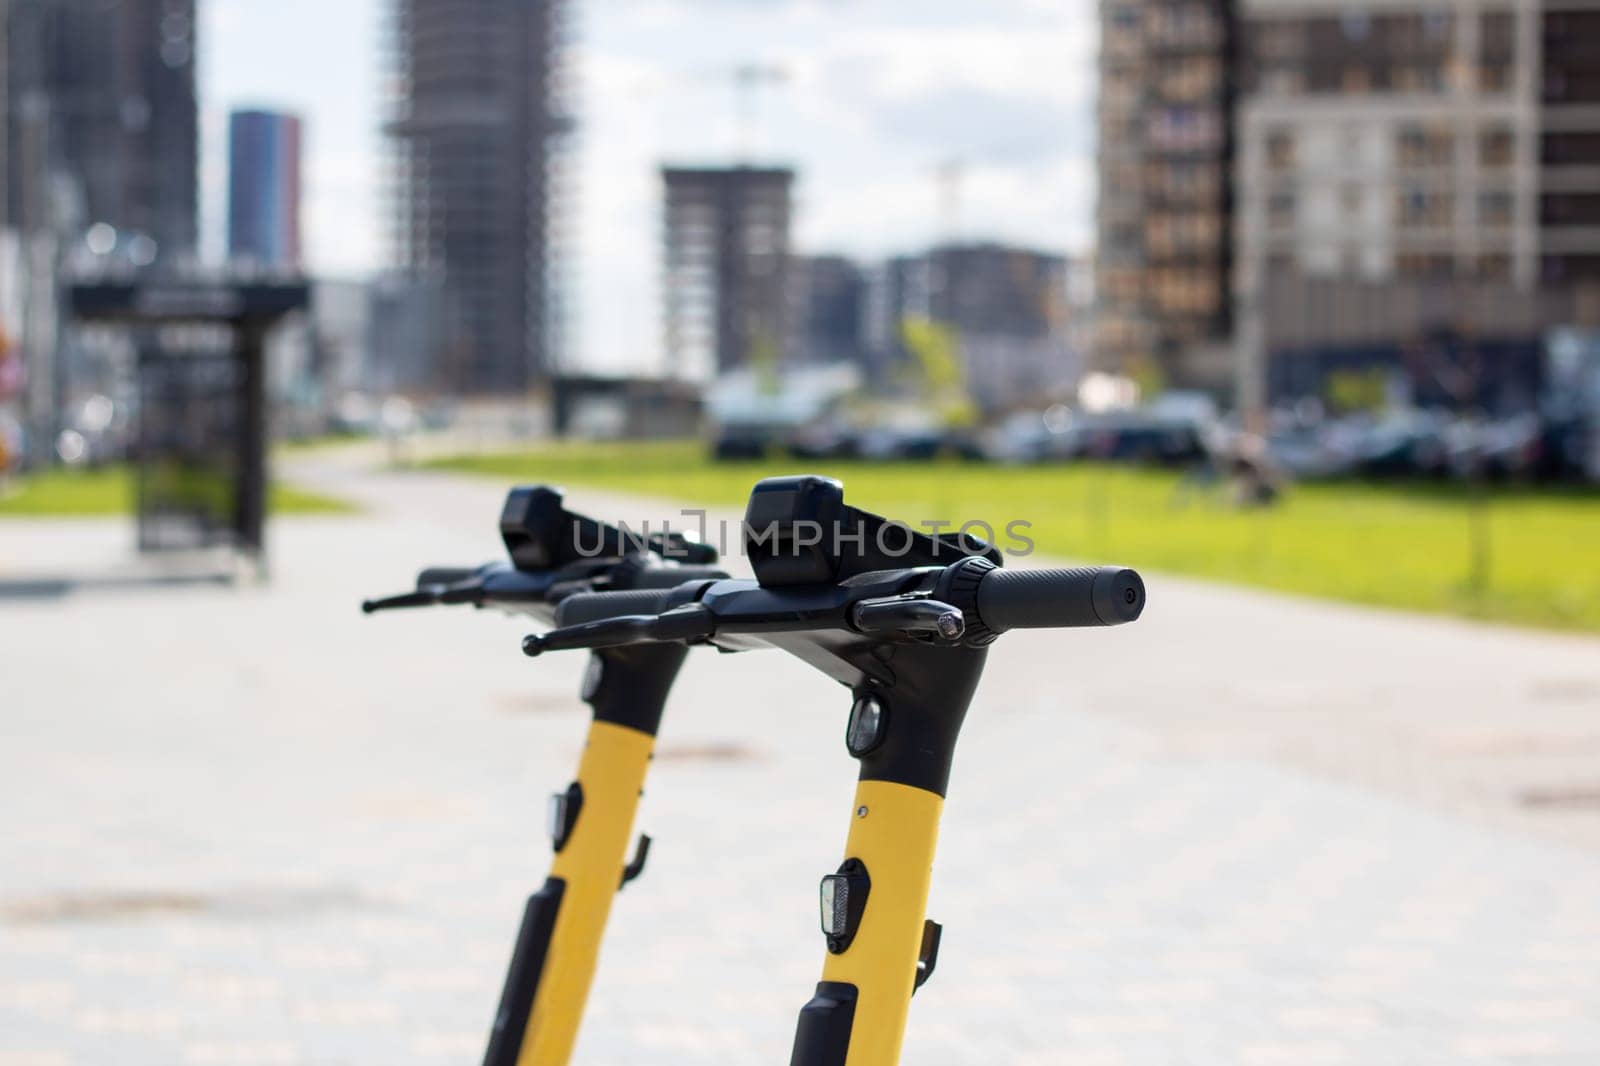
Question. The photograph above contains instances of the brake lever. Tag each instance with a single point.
(471, 590)
(562, 589)
(689, 622)
(895, 616)
(909, 615)
(426, 596)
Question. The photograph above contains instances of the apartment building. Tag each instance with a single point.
(725, 256)
(1419, 149)
(100, 114)
(264, 183)
(1166, 200)
(479, 117)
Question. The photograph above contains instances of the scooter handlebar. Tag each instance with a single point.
(1003, 599)
(670, 577)
(1060, 598)
(445, 575)
(595, 606)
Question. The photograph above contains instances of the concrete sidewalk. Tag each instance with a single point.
(248, 825)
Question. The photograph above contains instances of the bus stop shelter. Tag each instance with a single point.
(201, 438)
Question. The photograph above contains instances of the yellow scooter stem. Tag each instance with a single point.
(589, 865)
(893, 831)
(558, 945)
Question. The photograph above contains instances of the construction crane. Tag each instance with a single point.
(951, 173)
(948, 175)
(748, 80)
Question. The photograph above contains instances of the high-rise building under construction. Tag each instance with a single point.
(1166, 195)
(99, 119)
(264, 188)
(477, 124)
(725, 271)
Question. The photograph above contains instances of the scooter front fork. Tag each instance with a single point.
(858, 1015)
(558, 945)
(881, 947)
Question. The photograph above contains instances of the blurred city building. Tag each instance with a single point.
(1416, 170)
(264, 188)
(1354, 179)
(1010, 311)
(13, 373)
(617, 408)
(98, 171)
(1166, 199)
(989, 288)
(1568, 87)
(1465, 343)
(897, 289)
(405, 333)
(828, 309)
(100, 119)
(478, 124)
(726, 264)
(341, 327)
(1439, 160)
(320, 361)
(1082, 301)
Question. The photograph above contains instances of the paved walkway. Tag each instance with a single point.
(252, 826)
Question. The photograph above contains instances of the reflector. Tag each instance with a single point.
(865, 729)
(835, 899)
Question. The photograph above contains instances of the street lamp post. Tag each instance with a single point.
(41, 261)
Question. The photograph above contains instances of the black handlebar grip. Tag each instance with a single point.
(1060, 598)
(594, 606)
(444, 575)
(669, 577)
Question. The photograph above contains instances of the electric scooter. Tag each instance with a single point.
(904, 621)
(554, 554)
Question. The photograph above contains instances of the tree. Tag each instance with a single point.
(936, 348)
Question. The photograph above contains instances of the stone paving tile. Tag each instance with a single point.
(251, 826)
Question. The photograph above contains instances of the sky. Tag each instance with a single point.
(876, 98)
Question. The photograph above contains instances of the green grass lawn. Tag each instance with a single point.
(109, 491)
(1395, 546)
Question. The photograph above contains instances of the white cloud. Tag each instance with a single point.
(1045, 66)
(319, 60)
(878, 95)
(879, 92)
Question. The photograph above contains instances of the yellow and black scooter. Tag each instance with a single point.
(555, 554)
(904, 622)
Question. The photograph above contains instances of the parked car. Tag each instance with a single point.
(1407, 445)
(889, 443)
(737, 441)
(1142, 438)
(826, 440)
(1502, 449)
(1308, 452)
(1033, 437)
